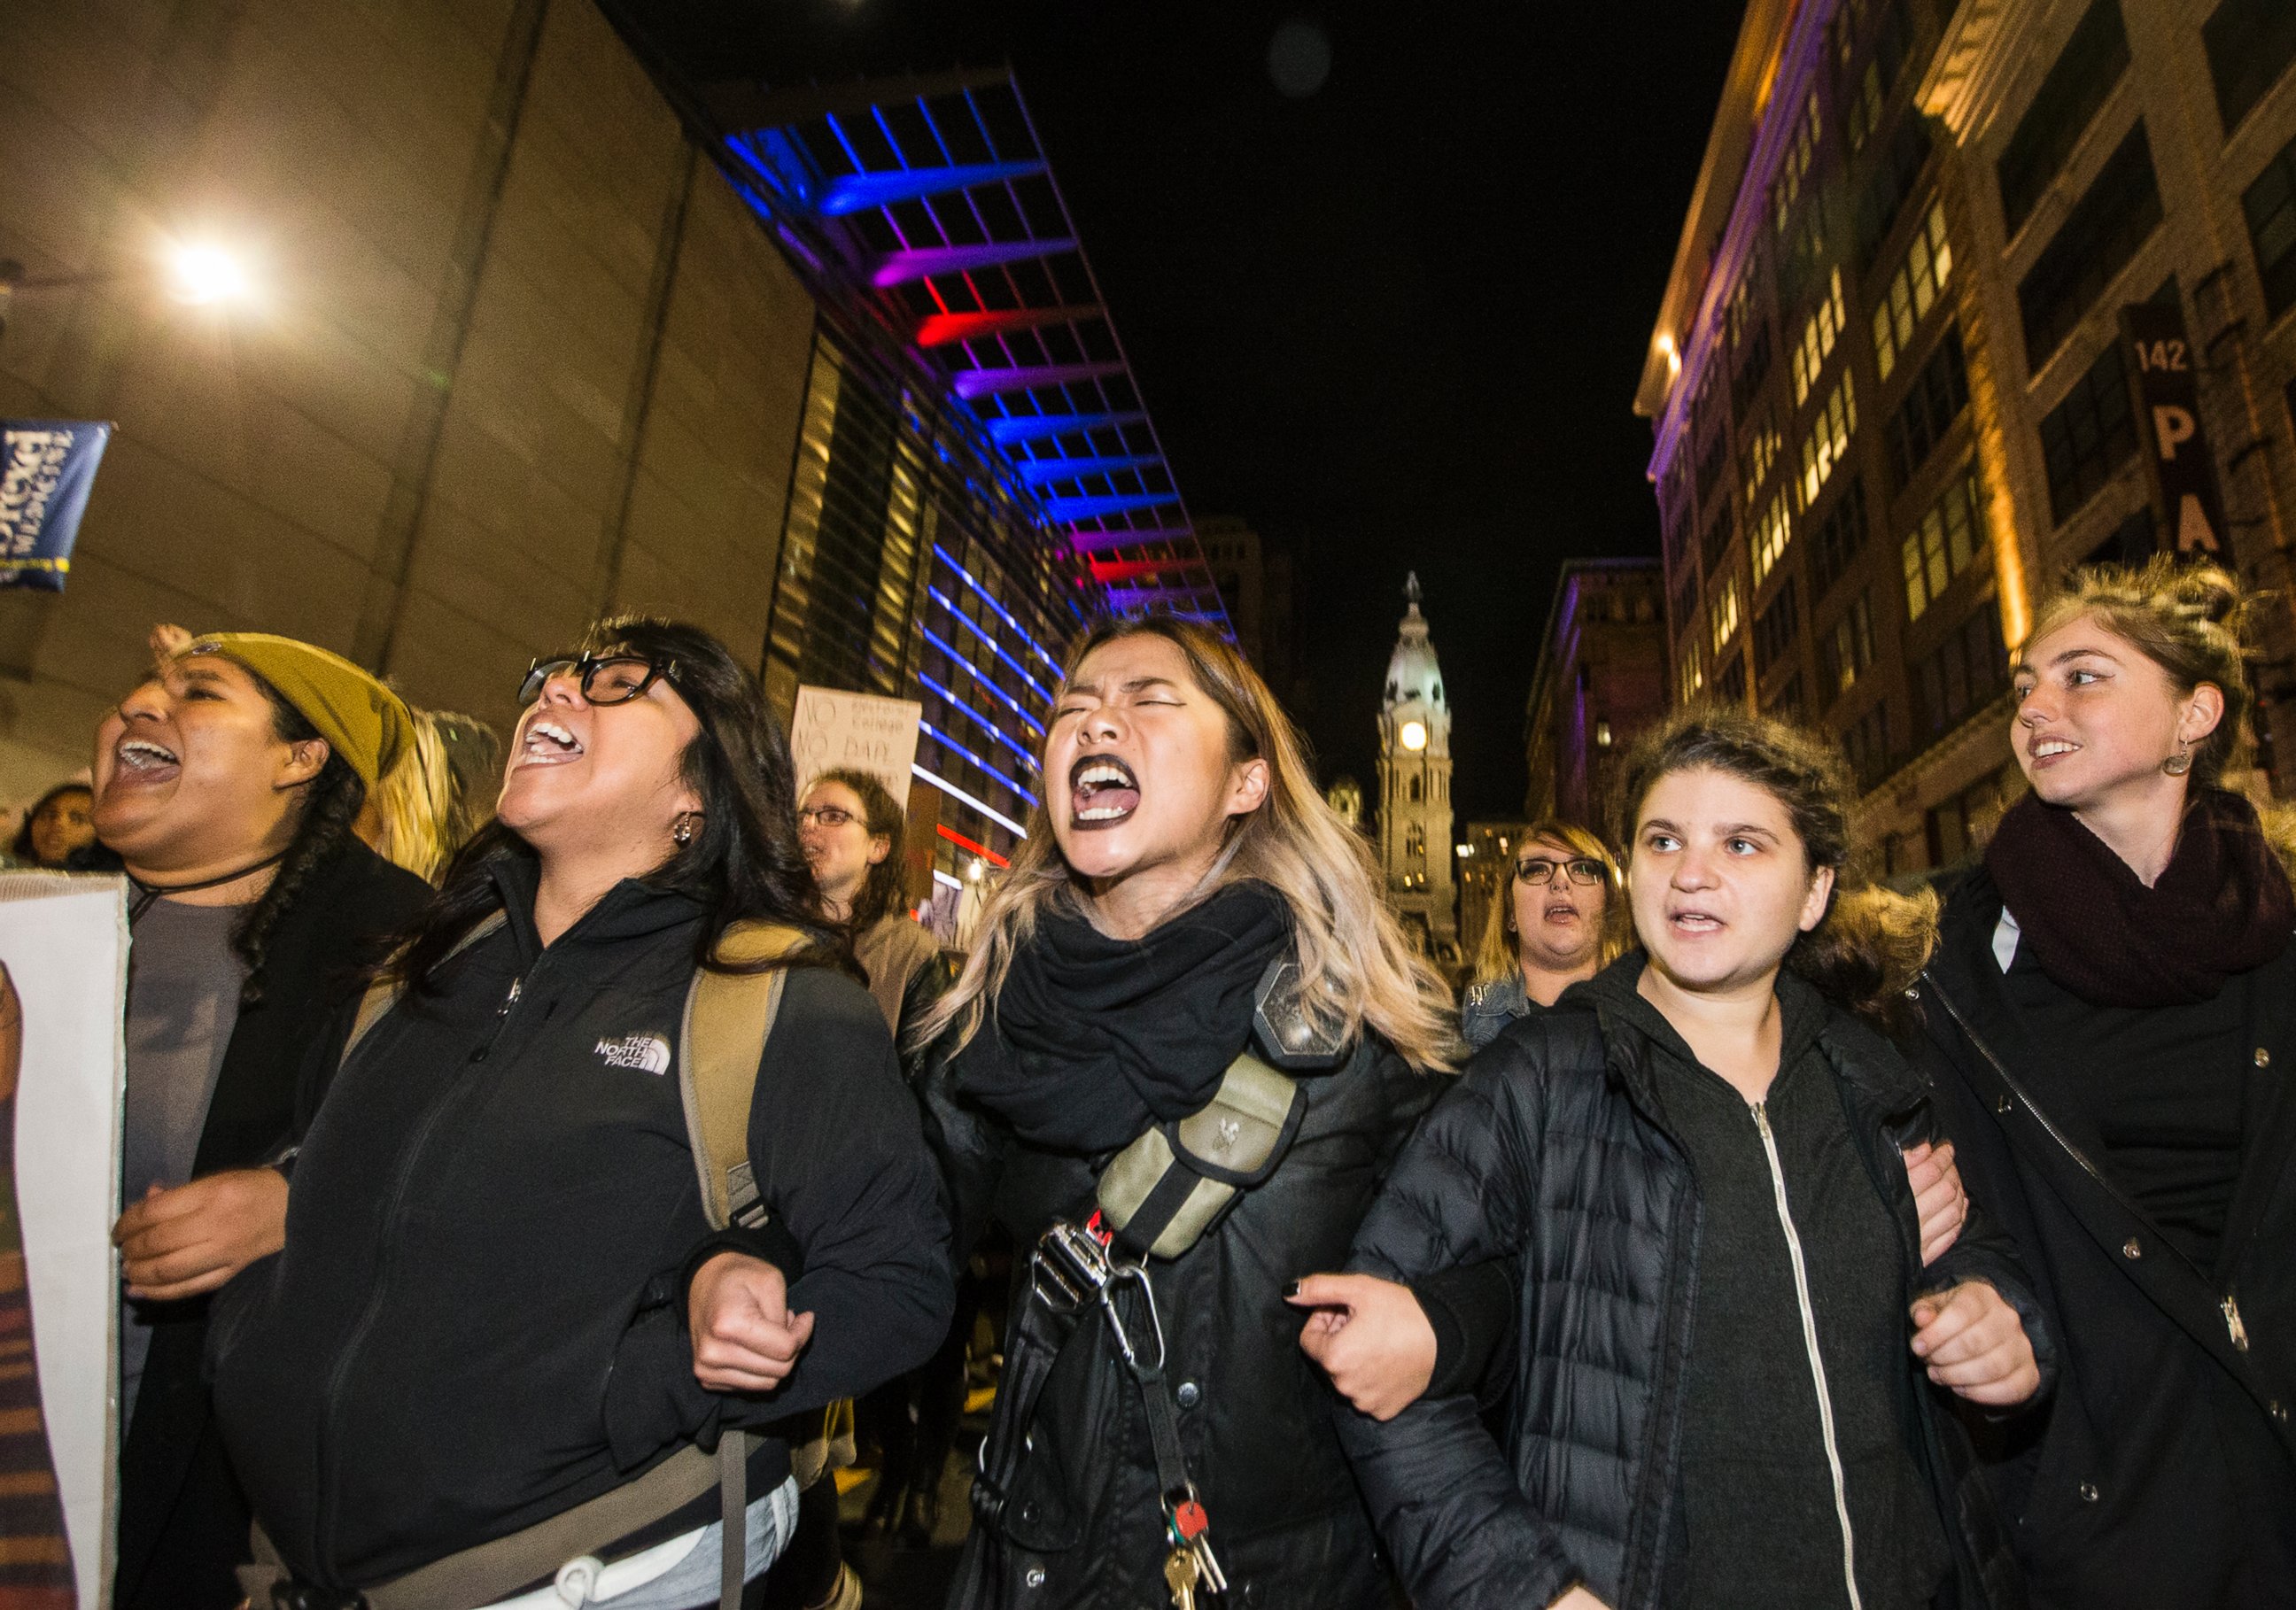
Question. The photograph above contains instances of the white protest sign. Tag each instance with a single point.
(856, 732)
(64, 940)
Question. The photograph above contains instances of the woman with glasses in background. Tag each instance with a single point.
(1563, 918)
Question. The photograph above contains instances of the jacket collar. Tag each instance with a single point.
(1870, 1068)
(632, 909)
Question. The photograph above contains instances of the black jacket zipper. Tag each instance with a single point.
(328, 1491)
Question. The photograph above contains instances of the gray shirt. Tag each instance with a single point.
(184, 980)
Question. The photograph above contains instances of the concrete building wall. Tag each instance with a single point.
(520, 354)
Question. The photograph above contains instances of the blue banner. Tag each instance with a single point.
(46, 469)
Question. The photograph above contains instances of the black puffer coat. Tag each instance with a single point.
(1553, 1149)
(1254, 1416)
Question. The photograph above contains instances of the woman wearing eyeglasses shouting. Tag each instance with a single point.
(504, 1342)
(1562, 919)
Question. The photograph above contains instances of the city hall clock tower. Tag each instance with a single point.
(1414, 786)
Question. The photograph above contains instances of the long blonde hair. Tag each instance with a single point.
(1498, 954)
(1358, 968)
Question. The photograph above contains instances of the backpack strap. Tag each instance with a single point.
(729, 1017)
(383, 994)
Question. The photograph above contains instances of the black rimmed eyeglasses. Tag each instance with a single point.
(1583, 869)
(606, 679)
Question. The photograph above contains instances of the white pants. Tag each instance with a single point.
(683, 1573)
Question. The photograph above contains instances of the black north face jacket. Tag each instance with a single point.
(1554, 1151)
(479, 1321)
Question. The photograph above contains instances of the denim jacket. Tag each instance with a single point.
(1489, 1006)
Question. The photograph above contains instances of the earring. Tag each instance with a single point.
(682, 830)
(2181, 762)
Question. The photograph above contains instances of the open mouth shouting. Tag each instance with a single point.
(1559, 910)
(1695, 924)
(139, 762)
(546, 743)
(1102, 791)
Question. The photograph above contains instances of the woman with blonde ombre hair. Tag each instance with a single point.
(2110, 1021)
(1177, 1063)
(1561, 919)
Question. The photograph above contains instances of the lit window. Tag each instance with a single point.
(1817, 343)
(1913, 291)
(1771, 536)
(1828, 439)
(1944, 544)
(1722, 614)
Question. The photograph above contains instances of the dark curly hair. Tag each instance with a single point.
(880, 818)
(323, 825)
(1871, 944)
(744, 864)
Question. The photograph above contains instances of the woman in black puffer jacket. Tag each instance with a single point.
(1689, 1176)
(1184, 859)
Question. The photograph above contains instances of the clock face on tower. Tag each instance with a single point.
(1414, 775)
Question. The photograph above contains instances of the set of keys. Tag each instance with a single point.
(1192, 1567)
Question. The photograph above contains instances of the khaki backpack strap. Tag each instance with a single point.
(728, 1018)
(383, 994)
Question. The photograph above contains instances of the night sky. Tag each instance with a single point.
(1385, 281)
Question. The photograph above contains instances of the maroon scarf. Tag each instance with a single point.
(2222, 906)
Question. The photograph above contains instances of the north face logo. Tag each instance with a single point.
(647, 1052)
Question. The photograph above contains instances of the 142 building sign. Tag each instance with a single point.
(2186, 504)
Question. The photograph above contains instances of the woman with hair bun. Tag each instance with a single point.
(1189, 1039)
(2111, 1022)
(1724, 1389)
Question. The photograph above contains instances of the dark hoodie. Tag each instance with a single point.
(479, 1321)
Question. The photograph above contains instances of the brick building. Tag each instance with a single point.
(1890, 392)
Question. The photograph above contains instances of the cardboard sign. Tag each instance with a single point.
(855, 732)
(64, 940)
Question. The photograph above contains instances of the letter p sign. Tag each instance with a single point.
(2172, 426)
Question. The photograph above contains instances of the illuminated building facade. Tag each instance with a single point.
(1599, 682)
(977, 476)
(1888, 383)
(1414, 786)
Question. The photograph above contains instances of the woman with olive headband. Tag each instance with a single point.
(225, 787)
(501, 1303)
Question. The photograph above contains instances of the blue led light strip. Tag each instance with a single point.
(981, 721)
(973, 671)
(1003, 614)
(941, 876)
(954, 792)
(993, 647)
(946, 741)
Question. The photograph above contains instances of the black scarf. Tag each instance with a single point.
(2222, 906)
(1093, 1039)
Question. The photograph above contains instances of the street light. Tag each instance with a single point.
(203, 274)
(200, 273)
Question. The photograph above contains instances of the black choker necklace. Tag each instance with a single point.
(149, 892)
